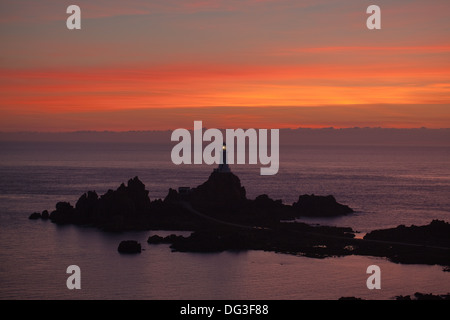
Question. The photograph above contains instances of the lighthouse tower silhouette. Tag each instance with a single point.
(223, 166)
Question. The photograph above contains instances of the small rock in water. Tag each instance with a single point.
(129, 246)
(35, 216)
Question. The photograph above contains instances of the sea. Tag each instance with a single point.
(385, 185)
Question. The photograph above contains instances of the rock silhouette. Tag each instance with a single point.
(437, 233)
(45, 215)
(64, 213)
(223, 218)
(221, 196)
(115, 210)
(424, 296)
(129, 246)
(320, 206)
(155, 239)
(34, 216)
(417, 296)
(222, 189)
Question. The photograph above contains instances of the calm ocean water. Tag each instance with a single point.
(387, 186)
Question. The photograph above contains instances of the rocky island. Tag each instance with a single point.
(220, 198)
(129, 246)
(221, 217)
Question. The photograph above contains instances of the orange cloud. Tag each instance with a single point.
(210, 85)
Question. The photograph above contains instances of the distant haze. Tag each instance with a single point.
(300, 136)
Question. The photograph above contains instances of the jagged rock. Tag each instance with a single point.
(155, 239)
(424, 296)
(222, 189)
(137, 193)
(264, 201)
(129, 246)
(171, 196)
(406, 298)
(114, 211)
(427, 244)
(221, 197)
(320, 206)
(222, 218)
(86, 204)
(35, 216)
(128, 201)
(64, 213)
(437, 233)
(45, 215)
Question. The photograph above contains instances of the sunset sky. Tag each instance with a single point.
(150, 65)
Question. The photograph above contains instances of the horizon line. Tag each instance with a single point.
(168, 130)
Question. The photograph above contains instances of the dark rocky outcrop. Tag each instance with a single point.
(302, 239)
(45, 215)
(428, 244)
(222, 218)
(34, 216)
(221, 190)
(116, 210)
(64, 213)
(416, 296)
(437, 233)
(221, 197)
(320, 206)
(155, 239)
(294, 238)
(129, 246)
(424, 296)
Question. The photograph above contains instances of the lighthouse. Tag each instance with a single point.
(223, 166)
